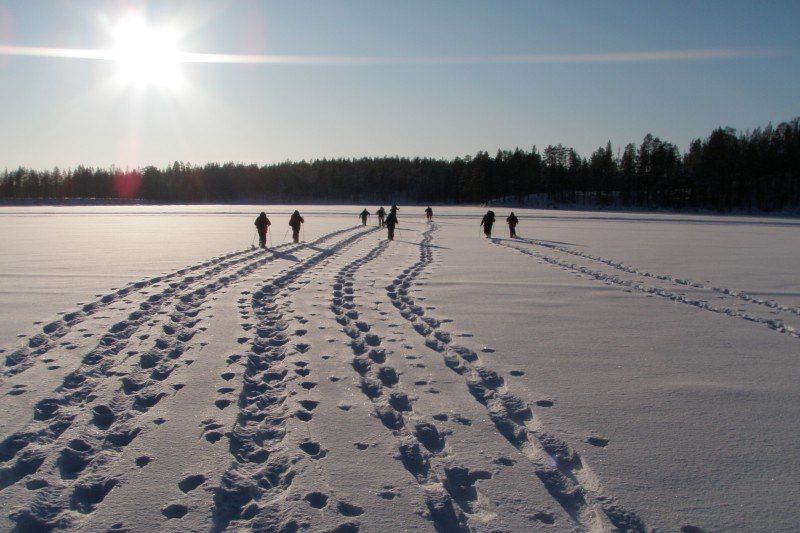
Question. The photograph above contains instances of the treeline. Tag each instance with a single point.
(757, 170)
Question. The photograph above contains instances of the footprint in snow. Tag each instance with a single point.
(36, 484)
(213, 436)
(175, 510)
(309, 405)
(348, 509)
(189, 483)
(317, 500)
(543, 517)
(313, 449)
(600, 442)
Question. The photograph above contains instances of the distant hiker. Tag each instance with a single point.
(262, 224)
(512, 224)
(391, 222)
(364, 214)
(487, 222)
(381, 216)
(294, 223)
(429, 213)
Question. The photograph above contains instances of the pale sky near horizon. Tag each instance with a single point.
(365, 78)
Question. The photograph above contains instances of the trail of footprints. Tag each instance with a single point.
(42, 342)
(771, 306)
(559, 467)
(451, 496)
(76, 477)
(38, 344)
(619, 265)
(250, 493)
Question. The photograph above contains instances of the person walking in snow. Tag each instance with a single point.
(294, 222)
(512, 224)
(429, 213)
(394, 209)
(262, 225)
(381, 216)
(487, 222)
(391, 222)
(363, 216)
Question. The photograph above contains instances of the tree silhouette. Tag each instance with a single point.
(727, 170)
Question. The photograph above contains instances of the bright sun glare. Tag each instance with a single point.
(146, 55)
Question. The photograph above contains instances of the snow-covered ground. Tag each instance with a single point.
(602, 371)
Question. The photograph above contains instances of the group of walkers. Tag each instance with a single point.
(262, 226)
(389, 222)
(488, 221)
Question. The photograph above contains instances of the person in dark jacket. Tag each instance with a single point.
(429, 213)
(381, 216)
(391, 222)
(363, 216)
(294, 222)
(394, 209)
(487, 222)
(512, 224)
(262, 225)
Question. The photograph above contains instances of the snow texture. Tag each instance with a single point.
(601, 372)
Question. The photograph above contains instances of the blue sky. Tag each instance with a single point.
(435, 94)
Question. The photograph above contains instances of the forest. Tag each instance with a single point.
(756, 170)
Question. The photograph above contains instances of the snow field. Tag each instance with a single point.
(438, 382)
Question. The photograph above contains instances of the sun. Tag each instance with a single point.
(146, 55)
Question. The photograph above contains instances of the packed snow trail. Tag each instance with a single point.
(258, 476)
(779, 317)
(421, 449)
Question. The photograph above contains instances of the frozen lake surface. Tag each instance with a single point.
(603, 370)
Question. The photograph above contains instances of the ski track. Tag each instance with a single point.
(560, 468)
(252, 492)
(41, 342)
(774, 324)
(75, 478)
(450, 493)
(619, 265)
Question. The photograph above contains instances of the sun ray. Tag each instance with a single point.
(175, 56)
